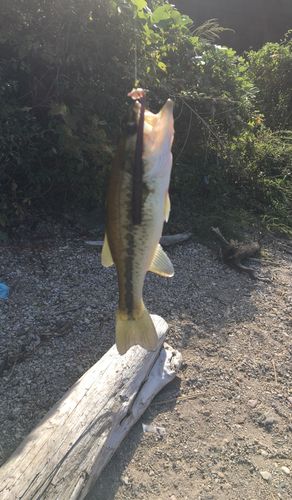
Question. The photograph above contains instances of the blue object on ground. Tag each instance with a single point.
(4, 290)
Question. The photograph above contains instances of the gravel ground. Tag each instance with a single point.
(229, 427)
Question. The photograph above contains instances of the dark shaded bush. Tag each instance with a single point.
(65, 71)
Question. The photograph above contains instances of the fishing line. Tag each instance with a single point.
(135, 55)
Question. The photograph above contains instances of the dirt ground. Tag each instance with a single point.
(227, 415)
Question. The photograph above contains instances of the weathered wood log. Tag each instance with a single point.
(164, 240)
(63, 456)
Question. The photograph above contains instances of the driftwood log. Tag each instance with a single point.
(63, 456)
(233, 253)
(164, 240)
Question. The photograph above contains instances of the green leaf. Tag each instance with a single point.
(186, 21)
(140, 4)
(111, 8)
(162, 66)
(159, 14)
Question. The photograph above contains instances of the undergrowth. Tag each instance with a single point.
(64, 76)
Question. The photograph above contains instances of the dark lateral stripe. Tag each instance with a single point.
(128, 283)
(137, 169)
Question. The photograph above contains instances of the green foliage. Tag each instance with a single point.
(66, 69)
(210, 30)
(271, 70)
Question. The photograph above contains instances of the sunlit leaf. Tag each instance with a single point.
(159, 14)
(111, 8)
(140, 4)
(162, 66)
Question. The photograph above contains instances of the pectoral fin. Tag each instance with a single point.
(166, 207)
(161, 263)
(106, 256)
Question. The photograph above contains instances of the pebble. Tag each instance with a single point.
(286, 470)
(266, 475)
(206, 413)
(270, 419)
(21, 390)
(289, 399)
(264, 453)
(252, 403)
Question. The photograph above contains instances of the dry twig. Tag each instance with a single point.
(179, 398)
(276, 381)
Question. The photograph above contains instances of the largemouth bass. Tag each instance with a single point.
(132, 239)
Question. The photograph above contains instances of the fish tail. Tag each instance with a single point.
(138, 329)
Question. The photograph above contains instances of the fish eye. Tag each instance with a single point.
(132, 128)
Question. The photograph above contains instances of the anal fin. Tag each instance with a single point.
(106, 256)
(161, 264)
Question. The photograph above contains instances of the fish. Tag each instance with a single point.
(137, 205)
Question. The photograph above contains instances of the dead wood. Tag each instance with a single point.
(174, 239)
(63, 456)
(164, 240)
(234, 252)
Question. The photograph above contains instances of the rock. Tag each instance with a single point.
(21, 390)
(289, 399)
(269, 419)
(252, 403)
(206, 413)
(16, 410)
(286, 470)
(240, 420)
(264, 453)
(267, 476)
(125, 480)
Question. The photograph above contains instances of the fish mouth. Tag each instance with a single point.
(157, 127)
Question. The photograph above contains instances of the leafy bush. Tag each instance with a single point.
(271, 70)
(66, 69)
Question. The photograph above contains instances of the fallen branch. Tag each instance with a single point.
(63, 456)
(234, 252)
(164, 240)
(174, 239)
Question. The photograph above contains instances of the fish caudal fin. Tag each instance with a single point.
(133, 331)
